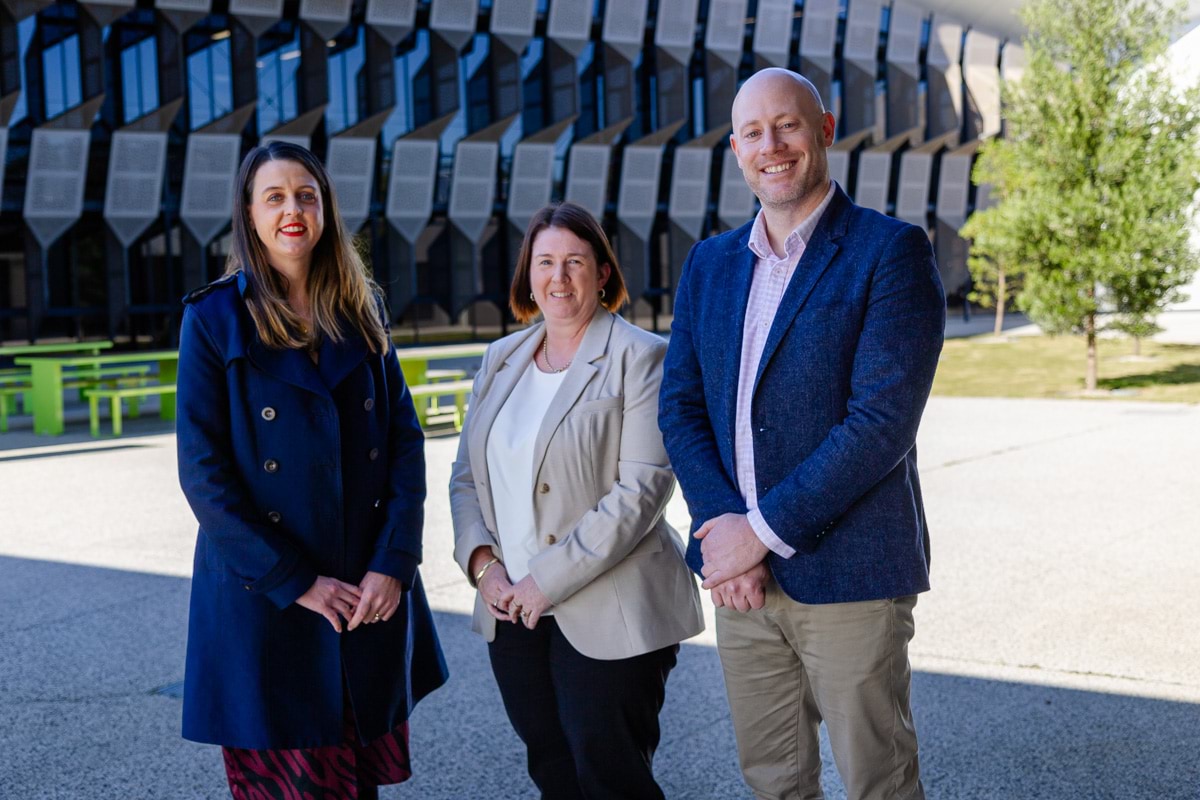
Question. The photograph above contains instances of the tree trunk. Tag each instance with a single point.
(1001, 297)
(1090, 327)
(1137, 346)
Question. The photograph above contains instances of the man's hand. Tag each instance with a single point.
(730, 547)
(745, 592)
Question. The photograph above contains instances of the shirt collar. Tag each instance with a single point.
(760, 245)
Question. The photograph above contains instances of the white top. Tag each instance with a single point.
(510, 465)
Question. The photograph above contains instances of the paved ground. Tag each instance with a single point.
(1056, 657)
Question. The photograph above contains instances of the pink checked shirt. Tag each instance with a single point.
(772, 273)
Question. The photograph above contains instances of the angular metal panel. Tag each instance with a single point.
(625, 27)
(256, 16)
(105, 12)
(209, 171)
(133, 195)
(473, 187)
(326, 17)
(839, 166)
(874, 180)
(512, 22)
(351, 165)
(454, 20)
(904, 38)
(912, 195)
(531, 183)
(862, 31)
(726, 28)
(735, 206)
(982, 76)
(944, 77)
(183, 14)
(637, 197)
(690, 176)
(954, 187)
(818, 29)
(587, 176)
(54, 184)
(1012, 62)
(391, 19)
(570, 24)
(411, 186)
(675, 31)
(773, 31)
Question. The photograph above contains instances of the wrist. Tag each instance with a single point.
(483, 569)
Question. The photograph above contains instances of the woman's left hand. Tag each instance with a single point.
(526, 600)
(380, 598)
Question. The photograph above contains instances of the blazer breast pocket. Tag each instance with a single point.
(598, 405)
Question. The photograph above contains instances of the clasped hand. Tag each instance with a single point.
(375, 599)
(733, 568)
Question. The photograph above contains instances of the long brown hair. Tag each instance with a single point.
(340, 291)
(579, 221)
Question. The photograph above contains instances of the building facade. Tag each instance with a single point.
(446, 124)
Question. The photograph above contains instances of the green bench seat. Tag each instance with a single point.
(115, 395)
(8, 401)
(427, 391)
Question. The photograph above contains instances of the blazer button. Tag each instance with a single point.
(374, 454)
(369, 403)
(274, 516)
(271, 465)
(378, 503)
(544, 488)
(551, 539)
(268, 413)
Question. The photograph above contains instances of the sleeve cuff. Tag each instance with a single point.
(295, 585)
(767, 536)
(396, 564)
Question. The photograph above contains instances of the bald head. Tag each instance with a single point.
(777, 79)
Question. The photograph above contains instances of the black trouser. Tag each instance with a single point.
(590, 727)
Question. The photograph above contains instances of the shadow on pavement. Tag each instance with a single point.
(87, 651)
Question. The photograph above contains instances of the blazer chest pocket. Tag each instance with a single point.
(597, 406)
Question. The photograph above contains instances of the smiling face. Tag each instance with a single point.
(780, 135)
(564, 276)
(287, 212)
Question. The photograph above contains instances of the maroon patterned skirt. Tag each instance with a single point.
(347, 771)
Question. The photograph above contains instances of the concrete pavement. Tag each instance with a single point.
(1056, 657)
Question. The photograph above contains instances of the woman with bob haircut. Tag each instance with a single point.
(557, 497)
(309, 637)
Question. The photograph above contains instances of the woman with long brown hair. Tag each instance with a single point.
(309, 637)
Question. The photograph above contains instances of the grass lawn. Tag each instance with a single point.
(1053, 366)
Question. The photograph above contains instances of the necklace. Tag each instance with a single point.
(546, 356)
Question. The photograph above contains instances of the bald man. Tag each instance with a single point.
(802, 353)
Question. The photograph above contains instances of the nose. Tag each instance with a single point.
(560, 272)
(770, 142)
(293, 207)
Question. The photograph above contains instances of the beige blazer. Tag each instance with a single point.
(607, 559)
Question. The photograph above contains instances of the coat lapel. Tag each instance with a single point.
(338, 359)
(288, 365)
(818, 254)
(579, 374)
(741, 275)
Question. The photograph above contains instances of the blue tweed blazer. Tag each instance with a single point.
(838, 397)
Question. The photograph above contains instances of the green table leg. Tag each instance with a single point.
(414, 375)
(167, 372)
(47, 396)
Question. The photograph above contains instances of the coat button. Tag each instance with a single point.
(544, 488)
(551, 539)
(268, 413)
(274, 516)
(369, 403)
(374, 454)
(271, 465)
(247, 588)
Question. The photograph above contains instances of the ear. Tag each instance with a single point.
(605, 271)
(733, 147)
(828, 126)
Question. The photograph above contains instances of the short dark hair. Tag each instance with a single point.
(579, 221)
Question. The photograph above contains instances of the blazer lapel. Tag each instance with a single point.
(579, 374)
(741, 275)
(818, 254)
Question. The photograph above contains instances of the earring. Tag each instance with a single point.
(531, 295)
(601, 292)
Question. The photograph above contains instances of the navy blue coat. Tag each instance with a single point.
(844, 377)
(296, 470)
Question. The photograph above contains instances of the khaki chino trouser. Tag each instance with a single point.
(788, 666)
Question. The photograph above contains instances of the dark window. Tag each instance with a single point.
(345, 84)
(60, 76)
(25, 31)
(411, 99)
(210, 81)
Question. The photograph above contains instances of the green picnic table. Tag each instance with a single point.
(18, 378)
(47, 374)
(427, 385)
(414, 361)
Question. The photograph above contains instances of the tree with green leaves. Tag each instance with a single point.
(1095, 177)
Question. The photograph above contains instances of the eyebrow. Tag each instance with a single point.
(547, 255)
(310, 187)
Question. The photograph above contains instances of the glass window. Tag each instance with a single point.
(345, 74)
(60, 75)
(139, 78)
(403, 118)
(210, 82)
(25, 31)
(278, 98)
